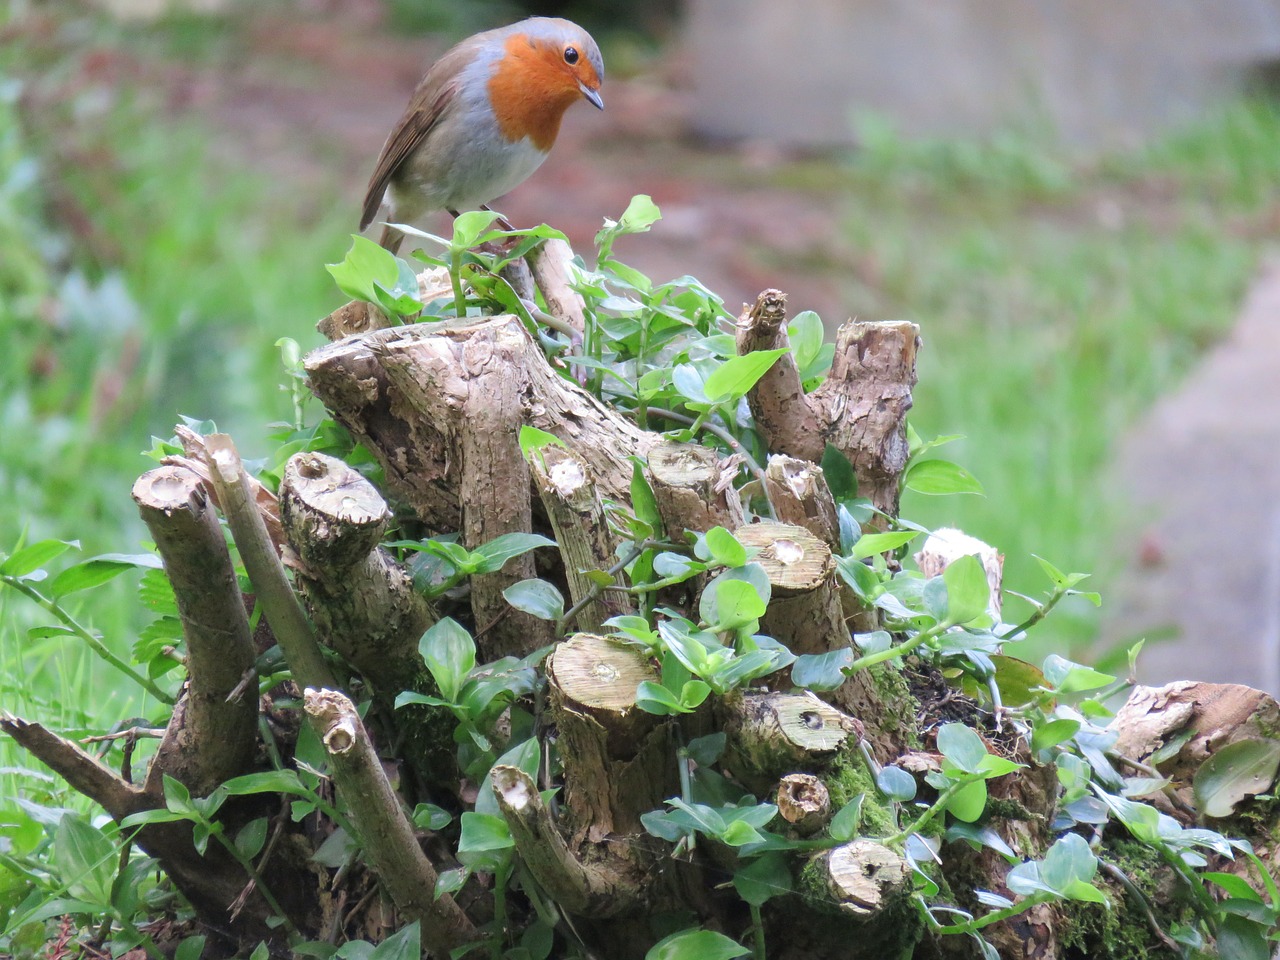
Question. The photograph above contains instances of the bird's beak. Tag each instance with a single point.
(592, 95)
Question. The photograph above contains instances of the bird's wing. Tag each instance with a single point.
(429, 102)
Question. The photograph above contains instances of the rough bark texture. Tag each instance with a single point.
(860, 408)
(800, 496)
(213, 738)
(403, 393)
(692, 490)
(581, 529)
(361, 601)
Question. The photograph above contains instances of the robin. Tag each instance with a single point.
(483, 119)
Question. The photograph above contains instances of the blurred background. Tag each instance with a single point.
(1076, 200)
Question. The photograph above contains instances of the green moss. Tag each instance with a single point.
(846, 777)
(898, 705)
(1123, 932)
(891, 932)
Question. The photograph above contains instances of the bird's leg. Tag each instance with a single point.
(503, 222)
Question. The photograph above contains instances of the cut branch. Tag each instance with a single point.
(582, 531)
(212, 737)
(861, 407)
(592, 889)
(387, 836)
(262, 563)
(692, 489)
(362, 602)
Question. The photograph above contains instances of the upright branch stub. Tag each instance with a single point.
(860, 408)
(212, 737)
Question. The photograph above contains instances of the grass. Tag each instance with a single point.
(1057, 301)
(158, 289)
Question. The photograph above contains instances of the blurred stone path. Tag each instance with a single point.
(1202, 472)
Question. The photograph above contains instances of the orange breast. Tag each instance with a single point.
(530, 90)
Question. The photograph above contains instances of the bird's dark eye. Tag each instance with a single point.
(570, 55)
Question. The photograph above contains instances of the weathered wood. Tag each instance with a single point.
(388, 841)
(692, 489)
(800, 496)
(804, 611)
(361, 601)
(213, 737)
(769, 735)
(555, 274)
(270, 584)
(581, 529)
(804, 802)
(860, 408)
(863, 878)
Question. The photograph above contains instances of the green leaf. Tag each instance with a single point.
(969, 801)
(844, 825)
(1069, 861)
(1234, 773)
(806, 333)
(993, 766)
(656, 699)
(939, 478)
(483, 834)
(864, 581)
(99, 570)
(821, 672)
(467, 228)
(967, 590)
(1052, 733)
(763, 878)
(365, 265)
(268, 781)
(450, 655)
(427, 816)
(641, 214)
(532, 440)
(191, 948)
(727, 604)
(34, 556)
(499, 550)
(643, 502)
(252, 837)
(1066, 677)
(838, 472)
(696, 945)
(733, 378)
(961, 746)
(896, 784)
(1242, 939)
(86, 859)
(870, 544)
(1238, 887)
(404, 944)
(538, 598)
(725, 548)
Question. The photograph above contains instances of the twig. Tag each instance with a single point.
(1132, 888)
(599, 588)
(96, 645)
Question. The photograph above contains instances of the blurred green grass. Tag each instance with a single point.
(141, 280)
(1057, 301)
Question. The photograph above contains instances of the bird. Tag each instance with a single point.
(482, 120)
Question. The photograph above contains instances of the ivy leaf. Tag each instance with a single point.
(821, 672)
(763, 878)
(896, 784)
(844, 825)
